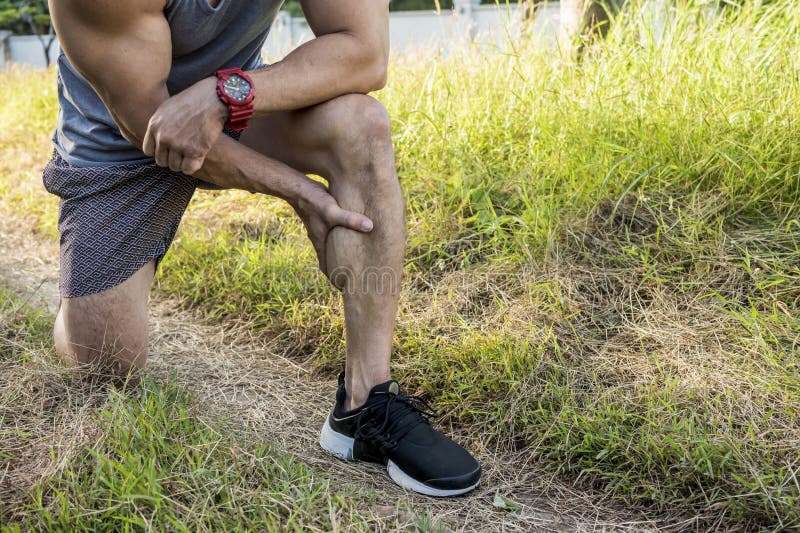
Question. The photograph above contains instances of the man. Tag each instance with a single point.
(144, 79)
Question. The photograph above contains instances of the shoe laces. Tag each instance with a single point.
(390, 417)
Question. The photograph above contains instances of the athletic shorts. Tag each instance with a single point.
(114, 219)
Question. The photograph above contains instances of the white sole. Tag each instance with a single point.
(408, 482)
(341, 447)
(336, 444)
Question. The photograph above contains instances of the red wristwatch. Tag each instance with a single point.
(235, 89)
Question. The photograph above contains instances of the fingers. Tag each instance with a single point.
(191, 165)
(149, 143)
(162, 155)
(351, 220)
(171, 156)
(175, 159)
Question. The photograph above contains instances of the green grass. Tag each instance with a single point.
(27, 116)
(603, 266)
(78, 455)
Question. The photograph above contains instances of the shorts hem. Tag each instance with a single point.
(80, 288)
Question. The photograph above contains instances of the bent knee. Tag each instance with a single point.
(369, 118)
(108, 345)
(361, 122)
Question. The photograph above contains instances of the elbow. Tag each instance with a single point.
(380, 77)
(129, 132)
(374, 68)
(374, 78)
(135, 140)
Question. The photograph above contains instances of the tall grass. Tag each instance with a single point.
(603, 269)
(27, 115)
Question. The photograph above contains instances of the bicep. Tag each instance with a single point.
(123, 49)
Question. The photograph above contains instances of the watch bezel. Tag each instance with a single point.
(225, 88)
(223, 79)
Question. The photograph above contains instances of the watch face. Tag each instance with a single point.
(237, 88)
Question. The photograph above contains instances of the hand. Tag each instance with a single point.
(185, 127)
(320, 213)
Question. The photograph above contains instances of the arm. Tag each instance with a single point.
(349, 55)
(124, 50)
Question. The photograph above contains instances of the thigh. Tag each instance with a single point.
(106, 317)
(290, 137)
(314, 140)
(109, 327)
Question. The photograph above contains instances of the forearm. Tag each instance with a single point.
(230, 164)
(326, 67)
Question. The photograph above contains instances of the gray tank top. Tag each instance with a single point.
(204, 39)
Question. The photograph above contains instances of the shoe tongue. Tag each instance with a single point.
(390, 386)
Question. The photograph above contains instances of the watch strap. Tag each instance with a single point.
(239, 117)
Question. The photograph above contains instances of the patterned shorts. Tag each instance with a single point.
(114, 219)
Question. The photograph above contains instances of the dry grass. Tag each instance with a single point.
(72, 445)
(240, 382)
(601, 286)
(48, 412)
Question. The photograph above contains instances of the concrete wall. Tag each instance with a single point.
(28, 50)
(413, 30)
(409, 30)
(498, 26)
(423, 29)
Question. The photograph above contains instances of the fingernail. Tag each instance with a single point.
(366, 225)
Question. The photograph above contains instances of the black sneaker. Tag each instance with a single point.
(393, 429)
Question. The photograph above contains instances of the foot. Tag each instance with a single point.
(393, 429)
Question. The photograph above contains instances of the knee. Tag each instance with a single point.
(363, 135)
(71, 352)
(82, 343)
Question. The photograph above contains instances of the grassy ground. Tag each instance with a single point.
(150, 461)
(603, 267)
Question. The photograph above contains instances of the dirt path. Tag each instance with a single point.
(242, 379)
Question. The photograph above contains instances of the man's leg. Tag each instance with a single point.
(348, 142)
(108, 329)
(114, 222)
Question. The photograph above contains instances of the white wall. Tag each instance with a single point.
(28, 50)
(423, 29)
(498, 26)
(409, 30)
(412, 30)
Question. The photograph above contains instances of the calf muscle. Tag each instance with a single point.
(347, 141)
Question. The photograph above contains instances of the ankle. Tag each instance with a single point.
(353, 402)
(359, 386)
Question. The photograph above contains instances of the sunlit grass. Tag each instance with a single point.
(603, 268)
(78, 455)
(27, 118)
